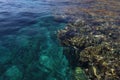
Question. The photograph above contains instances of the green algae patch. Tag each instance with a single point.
(79, 74)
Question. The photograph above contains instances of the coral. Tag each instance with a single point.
(93, 48)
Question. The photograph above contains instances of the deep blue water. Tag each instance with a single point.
(29, 48)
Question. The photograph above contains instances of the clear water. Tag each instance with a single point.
(29, 48)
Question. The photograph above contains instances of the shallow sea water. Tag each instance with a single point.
(29, 48)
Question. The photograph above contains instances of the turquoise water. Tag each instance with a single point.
(29, 48)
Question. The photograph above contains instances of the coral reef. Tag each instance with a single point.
(91, 41)
(94, 48)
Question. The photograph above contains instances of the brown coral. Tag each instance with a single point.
(93, 49)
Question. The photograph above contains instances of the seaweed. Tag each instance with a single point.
(94, 48)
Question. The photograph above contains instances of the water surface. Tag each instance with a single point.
(29, 48)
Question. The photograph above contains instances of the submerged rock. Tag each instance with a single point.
(46, 61)
(5, 55)
(13, 73)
